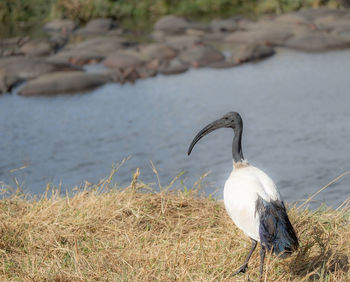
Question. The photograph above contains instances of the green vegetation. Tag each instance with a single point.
(23, 10)
(14, 13)
(105, 233)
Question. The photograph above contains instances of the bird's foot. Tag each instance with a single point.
(242, 269)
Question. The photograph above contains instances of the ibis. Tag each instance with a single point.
(252, 200)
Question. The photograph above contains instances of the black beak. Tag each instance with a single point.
(220, 123)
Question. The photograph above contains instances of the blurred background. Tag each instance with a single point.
(86, 84)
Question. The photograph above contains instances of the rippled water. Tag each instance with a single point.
(295, 108)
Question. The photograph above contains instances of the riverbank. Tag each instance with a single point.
(131, 234)
(57, 64)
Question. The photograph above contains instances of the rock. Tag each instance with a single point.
(75, 57)
(227, 25)
(58, 40)
(13, 41)
(270, 26)
(64, 26)
(343, 32)
(28, 68)
(7, 81)
(154, 64)
(255, 37)
(314, 14)
(123, 60)
(201, 56)
(198, 26)
(16, 69)
(10, 51)
(175, 66)
(195, 32)
(37, 48)
(246, 53)
(158, 35)
(172, 25)
(182, 42)
(317, 42)
(102, 45)
(158, 51)
(23, 40)
(293, 18)
(115, 75)
(130, 74)
(146, 72)
(214, 37)
(100, 24)
(63, 82)
(243, 23)
(116, 32)
(331, 22)
(96, 26)
(221, 65)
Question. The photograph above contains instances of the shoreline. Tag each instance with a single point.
(174, 46)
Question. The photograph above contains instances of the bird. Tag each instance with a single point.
(252, 200)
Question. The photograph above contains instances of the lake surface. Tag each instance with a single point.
(295, 109)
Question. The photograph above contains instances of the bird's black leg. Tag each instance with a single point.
(244, 266)
(262, 257)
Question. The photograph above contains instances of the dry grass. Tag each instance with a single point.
(104, 233)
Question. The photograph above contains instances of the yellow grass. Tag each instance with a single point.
(132, 234)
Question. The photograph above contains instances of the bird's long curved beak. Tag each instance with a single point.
(209, 128)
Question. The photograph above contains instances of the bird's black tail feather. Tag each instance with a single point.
(275, 230)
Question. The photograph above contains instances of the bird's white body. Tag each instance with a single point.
(241, 192)
(252, 199)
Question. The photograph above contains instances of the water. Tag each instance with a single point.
(295, 109)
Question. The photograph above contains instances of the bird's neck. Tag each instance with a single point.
(237, 153)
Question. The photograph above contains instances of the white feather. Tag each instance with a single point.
(241, 191)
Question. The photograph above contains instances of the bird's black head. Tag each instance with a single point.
(230, 120)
